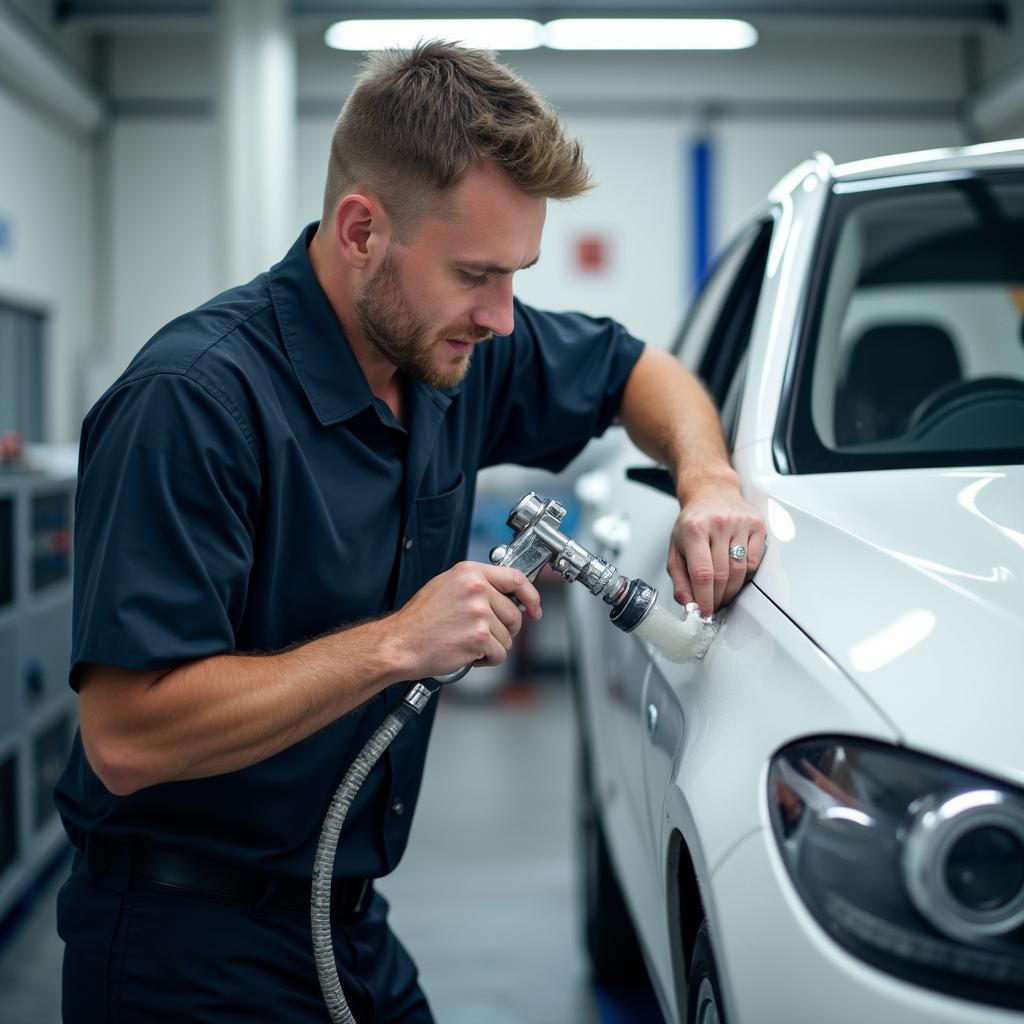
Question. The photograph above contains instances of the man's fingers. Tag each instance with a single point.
(702, 574)
(501, 633)
(512, 582)
(507, 611)
(737, 571)
(756, 548)
(493, 652)
(681, 587)
(723, 567)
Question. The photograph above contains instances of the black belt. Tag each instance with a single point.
(185, 872)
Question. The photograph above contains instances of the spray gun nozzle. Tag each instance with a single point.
(634, 606)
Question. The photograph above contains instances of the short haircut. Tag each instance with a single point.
(418, 119)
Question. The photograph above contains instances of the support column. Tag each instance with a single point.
(256, 117)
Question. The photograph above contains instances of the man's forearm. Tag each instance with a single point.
(226, 712)
(670, 417)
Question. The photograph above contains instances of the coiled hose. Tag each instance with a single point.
(323, 864)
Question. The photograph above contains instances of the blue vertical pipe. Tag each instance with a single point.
(700, 209)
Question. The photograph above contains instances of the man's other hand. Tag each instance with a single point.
(715, 519)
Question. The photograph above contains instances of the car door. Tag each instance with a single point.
(629, 526)
(719, 355)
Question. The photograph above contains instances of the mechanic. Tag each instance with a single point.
(273, 500)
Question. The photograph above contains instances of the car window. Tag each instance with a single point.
(914, 354)
(731, 405)
(691, 343)
(724, 359)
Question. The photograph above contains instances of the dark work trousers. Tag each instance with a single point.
(137, 953)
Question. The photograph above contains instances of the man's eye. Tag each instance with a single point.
(476, 279)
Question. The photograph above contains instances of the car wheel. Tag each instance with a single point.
(611, 941)
(705, 993)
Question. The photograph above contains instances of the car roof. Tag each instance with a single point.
(1005, 154)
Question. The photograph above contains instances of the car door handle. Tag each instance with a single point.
(612, 533)
(652, 720)
(592, 489)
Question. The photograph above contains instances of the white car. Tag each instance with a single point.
(823, 820)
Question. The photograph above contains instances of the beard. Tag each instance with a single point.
(389, 322)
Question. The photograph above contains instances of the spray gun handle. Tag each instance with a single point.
(453, 677)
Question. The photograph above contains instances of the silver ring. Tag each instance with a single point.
(739, 552)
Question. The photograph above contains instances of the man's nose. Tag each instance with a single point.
(495, 311)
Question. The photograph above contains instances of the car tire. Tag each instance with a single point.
(609, 936)
(704, 999)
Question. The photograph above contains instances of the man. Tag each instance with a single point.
(273, 501)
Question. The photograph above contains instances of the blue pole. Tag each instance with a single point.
(700, 209)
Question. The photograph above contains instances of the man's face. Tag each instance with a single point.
(431, 302)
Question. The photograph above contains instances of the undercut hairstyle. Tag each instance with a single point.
(418, 120)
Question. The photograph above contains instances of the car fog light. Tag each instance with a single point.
(914, 865)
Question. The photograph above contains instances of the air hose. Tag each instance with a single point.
(414, 701)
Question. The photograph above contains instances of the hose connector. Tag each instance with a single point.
(634, 606)
(418, 696)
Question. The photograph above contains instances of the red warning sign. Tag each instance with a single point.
(591, 254)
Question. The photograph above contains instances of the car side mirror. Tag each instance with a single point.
(657, 477)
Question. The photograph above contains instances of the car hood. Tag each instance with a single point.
(913, 582)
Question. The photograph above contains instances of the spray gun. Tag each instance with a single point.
(538, 541)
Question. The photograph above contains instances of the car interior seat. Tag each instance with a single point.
(892, 367)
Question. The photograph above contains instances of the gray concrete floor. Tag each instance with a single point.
(485, 897)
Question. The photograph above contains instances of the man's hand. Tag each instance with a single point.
(464, 616)
(714, 519)
(671, 418)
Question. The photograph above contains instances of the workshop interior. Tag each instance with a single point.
(806, 806)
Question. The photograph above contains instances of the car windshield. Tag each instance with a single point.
(914, 350)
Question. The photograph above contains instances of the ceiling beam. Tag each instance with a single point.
(967, 12)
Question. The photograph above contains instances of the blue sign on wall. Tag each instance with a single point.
(6, 240)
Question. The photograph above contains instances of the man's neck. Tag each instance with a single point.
(381, 374)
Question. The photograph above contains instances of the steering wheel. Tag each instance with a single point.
(929, 410)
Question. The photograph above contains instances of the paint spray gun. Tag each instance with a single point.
(539, 541)
(536, 523)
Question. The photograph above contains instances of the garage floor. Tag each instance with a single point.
(485, 898)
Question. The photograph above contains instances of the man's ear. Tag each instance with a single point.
(361, 229)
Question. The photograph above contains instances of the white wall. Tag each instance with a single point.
(46, 182)
(997, 103)
(753, 154)
(163, 226)
(763, 110)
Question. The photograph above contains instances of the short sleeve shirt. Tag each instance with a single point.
(242, 490)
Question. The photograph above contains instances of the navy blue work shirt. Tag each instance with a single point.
(241, 489)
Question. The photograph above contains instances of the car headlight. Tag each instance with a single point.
(910, 863)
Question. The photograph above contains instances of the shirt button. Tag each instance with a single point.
(407, 543)
(397, 808)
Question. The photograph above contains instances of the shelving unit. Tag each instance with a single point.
(38, 711)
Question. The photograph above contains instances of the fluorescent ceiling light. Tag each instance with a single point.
(487, 33)
(649, 34)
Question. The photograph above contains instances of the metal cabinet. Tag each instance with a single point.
(38, 711)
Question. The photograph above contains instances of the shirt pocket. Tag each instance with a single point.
(439, 521)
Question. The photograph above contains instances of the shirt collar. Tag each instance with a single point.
(320, 354)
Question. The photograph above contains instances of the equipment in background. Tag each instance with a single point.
(38, 711)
